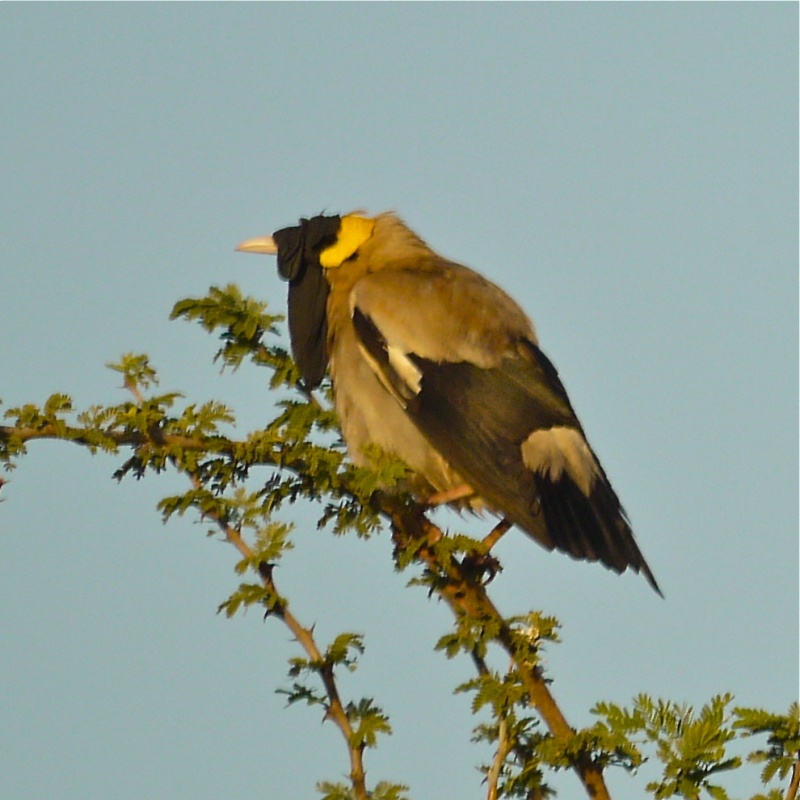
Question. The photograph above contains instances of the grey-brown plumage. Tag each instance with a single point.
(436, 364)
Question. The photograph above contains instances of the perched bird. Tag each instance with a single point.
(437, 365)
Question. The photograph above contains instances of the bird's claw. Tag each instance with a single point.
(482, 565)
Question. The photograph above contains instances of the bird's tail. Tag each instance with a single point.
(590, 527)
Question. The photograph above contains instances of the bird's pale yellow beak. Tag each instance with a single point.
(262, 244)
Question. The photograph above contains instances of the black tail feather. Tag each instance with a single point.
(592, 528)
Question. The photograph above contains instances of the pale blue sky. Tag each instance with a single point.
(627, 171)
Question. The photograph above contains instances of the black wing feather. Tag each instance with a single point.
(478, 418)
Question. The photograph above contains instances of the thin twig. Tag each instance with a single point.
(305, 638)
(134, 390)
(794, 784)
(493, 776)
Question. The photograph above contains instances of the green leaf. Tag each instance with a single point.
(388, 791)
(136, 371)
(250, 594)
(335, 791)
(368, 721)
(341, 650)
(299, 693)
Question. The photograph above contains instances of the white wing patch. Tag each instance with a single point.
(404, 383)
(405, 368)
(553, 451)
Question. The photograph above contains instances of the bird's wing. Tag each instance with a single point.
(462, 360)
(445, 312)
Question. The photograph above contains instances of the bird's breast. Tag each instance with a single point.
(369, 414)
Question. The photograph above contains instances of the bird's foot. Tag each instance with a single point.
(484, 562)
(483, 566)
(449, 495)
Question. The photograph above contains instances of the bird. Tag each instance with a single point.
(437, 365)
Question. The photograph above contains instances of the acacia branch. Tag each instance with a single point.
(120, 438)
(467, 596)
(794, 784)
(131, 438)
(493, 774)
(504, 746)
(503, 749)
(305, 638)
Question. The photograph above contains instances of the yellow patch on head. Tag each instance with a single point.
(353, 232)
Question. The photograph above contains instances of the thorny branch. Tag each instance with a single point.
(794, 783)
(462, 591)
(457, 581)
(334, 708)
(466, 595)
(119, 438)
(305, 638)
(503, 749)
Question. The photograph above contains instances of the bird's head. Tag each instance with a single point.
(304, 252)
(317, 242)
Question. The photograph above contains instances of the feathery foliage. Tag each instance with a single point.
(241, 488)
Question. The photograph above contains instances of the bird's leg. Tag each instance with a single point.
(484, 563)
(449, 495)
(496, 534)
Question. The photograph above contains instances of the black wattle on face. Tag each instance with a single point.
(298, 262)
